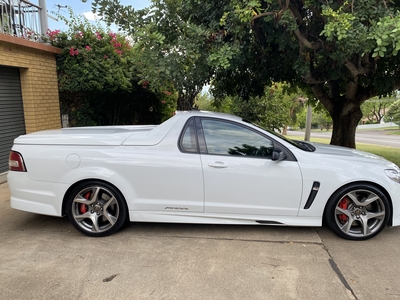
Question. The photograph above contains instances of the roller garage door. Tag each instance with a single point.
(12, 123)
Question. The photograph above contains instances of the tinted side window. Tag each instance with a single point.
(188, 139)
(224, 138)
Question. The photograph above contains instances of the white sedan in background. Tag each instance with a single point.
(201, 167)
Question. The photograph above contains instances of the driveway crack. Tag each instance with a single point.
(339, 273)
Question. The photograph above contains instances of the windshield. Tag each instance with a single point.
(299, 144)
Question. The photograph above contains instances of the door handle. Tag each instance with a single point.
(218, 165)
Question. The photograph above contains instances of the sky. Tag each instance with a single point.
(79, 7)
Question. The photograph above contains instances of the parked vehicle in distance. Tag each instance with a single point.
(201, 167)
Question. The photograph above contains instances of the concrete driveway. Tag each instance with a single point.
(45, 258)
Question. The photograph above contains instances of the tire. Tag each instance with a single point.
(357, 212)
(96, 208)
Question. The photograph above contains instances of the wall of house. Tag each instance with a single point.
(37, 65)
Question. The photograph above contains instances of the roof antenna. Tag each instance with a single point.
(60, 6)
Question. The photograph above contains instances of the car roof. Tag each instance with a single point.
(204, 113)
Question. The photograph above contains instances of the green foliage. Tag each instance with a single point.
(244, 10)
(276, 108)
(139, 105)
(92, 59)
(328, 33)
(393, 114)
(344, 52)
(339, 23)
(321, 120)
(374, 109)
(267, 111)
(84, 116)
(223, 55)
(204, 101)
(169, 44)
(374, 23)
(302, 119)
(97, 83)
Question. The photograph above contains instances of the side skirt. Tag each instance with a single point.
(201, 218)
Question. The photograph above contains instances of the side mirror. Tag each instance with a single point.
(278, 155)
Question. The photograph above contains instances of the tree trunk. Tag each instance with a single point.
(345, 122)
(187, 97)
(183, 102)
(284, 131)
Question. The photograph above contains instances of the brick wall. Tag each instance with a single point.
(39, 86)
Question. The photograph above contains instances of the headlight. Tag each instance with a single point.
(393, 174)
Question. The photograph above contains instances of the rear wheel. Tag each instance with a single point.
(357, 212)
(96, 208)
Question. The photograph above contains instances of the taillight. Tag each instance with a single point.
(16, 162)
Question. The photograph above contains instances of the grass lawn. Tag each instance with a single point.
(394, 132)
(390, 153)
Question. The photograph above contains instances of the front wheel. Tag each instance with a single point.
(357, 212)
(96, 208)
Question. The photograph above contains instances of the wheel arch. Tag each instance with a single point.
(72, 187)
(378, 186)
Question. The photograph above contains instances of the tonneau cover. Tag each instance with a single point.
(99, 135)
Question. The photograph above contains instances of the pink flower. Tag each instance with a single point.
(167, 93)
(118, 51)
(52, 34)
(163, 102)
(117, 45)
(105, 56)
(98, 35)
(88, 48)
(73, 52)
(144, 84)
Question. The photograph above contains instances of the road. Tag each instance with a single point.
(374, 137)
(46, 258)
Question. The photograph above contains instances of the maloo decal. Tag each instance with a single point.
(176, 208)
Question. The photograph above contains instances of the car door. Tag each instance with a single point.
(240, 176)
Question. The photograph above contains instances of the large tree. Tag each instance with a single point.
(374, 109)
(342, 52)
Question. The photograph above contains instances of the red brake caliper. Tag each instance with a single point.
(343, 204)
(83, 207)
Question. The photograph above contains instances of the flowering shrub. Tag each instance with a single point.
(73, 51)
(52, 34)
(92, 59)
(97, 78)
(168, 103)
